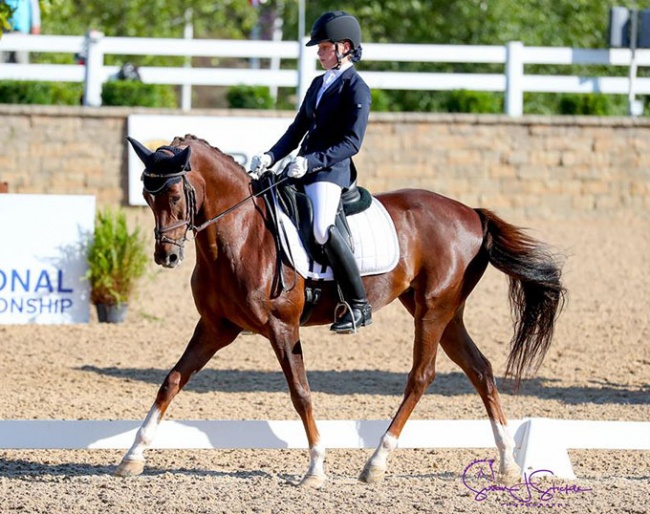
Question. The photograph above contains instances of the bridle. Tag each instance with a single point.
(190, 203)
(190, 206)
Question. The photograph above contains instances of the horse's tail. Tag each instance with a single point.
(536, 291)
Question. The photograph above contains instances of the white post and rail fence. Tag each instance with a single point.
(513, 82)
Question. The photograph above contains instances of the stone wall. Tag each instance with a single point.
(551, 167)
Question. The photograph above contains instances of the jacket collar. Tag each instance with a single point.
(336, 73)
(343, 74)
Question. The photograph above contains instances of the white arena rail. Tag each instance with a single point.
(513, 81)
(541, 444)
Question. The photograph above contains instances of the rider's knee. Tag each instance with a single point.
(321, 235)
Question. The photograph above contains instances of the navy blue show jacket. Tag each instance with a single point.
(330, 133)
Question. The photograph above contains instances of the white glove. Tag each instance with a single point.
(259, 164)
(297, 168)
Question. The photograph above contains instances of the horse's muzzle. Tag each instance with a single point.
(168, 257)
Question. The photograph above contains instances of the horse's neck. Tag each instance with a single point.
(225, 185)
(227, 197)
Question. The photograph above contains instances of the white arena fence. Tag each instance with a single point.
(513, 82)
(541, 443)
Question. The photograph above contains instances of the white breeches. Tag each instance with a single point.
(325, 198)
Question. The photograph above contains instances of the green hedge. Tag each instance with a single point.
(575, 104)
(122, 92)
(42, 93)
(249, 97)
(483, 102)
(381, 102)
(587, 104)
(438, 101)
(473, 102)
(134, 93)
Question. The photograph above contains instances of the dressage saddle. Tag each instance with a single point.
(297, 206)
(294, 202)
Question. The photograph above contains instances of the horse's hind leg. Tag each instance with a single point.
(206, 341)
(429, 323)
(460, 348)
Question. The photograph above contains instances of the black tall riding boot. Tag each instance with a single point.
(346, 272)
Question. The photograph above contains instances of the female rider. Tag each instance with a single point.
(329, 128)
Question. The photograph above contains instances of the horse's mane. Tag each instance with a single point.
(189, 139)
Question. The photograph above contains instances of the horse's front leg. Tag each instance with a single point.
(286, 343)
(208, 338)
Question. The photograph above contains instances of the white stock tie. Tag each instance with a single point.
(329, 77)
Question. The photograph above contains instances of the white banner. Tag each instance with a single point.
(43, 258)
(241, 137)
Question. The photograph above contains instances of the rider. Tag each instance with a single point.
(331, 124)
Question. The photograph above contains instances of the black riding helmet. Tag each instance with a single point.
(336, 26)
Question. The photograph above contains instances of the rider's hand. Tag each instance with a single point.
(259, 164)
(297, 168)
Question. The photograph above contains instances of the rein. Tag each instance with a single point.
(205, 224)
(190, 199)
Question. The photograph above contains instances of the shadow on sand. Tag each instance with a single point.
(34, 471)
(375, 382)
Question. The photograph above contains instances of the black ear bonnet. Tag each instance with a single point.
(162, 170)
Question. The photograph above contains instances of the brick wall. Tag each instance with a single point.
(551, 167)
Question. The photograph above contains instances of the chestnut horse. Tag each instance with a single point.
(445, 248)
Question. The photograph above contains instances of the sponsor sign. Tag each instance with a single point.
(241, 137)
(43, 258)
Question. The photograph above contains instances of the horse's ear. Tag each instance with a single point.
(182, 159)
(142, 151)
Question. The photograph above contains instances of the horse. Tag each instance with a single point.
(197, 192)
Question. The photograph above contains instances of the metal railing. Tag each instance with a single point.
(513, 82)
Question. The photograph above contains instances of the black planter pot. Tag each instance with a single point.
(113, 313)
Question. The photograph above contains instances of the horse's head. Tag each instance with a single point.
(171, 196)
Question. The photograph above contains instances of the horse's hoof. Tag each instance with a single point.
(372, 474)
(129, 468)
(510, 476)
(313, 481)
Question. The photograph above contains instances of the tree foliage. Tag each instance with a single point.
(228, 19)
(6, 11)
(5, 14)
(577, 23)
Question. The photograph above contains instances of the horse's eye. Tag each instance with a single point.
(175, 199)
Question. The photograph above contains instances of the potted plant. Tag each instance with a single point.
(116, 260)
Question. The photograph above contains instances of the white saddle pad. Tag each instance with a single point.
(376, 248)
